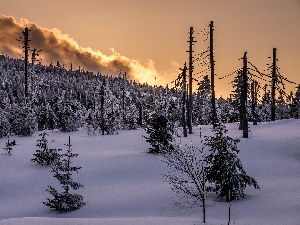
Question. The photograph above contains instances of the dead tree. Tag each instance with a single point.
(184, 100)
(212, 75)
(187, 175)
(244, 97)
(273, 88)
(26, 48)
(254, 101)
(191, 68)
(25, 41)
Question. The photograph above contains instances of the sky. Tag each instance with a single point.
(148, 39)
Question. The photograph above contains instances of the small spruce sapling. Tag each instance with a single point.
(8, 146)
(65, 201)
(44, 155)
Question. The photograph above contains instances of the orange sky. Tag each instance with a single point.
(158, 30)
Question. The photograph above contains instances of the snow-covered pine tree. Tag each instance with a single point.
(204, 101)
(22, 119)
(159, 134)
(225, 170)
(253, 111)
(62, 169)
(46, 118)
(281, 110)
(92, 122)
(131, 118)
(110, 114)
(4, 112)
(225, 111)
(67, 117)
(44, 155)
(237, 84)
(4, 124)
(295, 108)
(131, 113)
(265, 107)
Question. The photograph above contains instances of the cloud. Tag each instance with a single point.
(60, 47)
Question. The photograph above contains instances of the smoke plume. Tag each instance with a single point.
(60, 47)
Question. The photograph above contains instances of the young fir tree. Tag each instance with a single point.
(159, 134)
(224, 168)
(44, 155)
(65, 201)
(8, 146)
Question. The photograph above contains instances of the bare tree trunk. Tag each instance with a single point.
(190, 90)
(26, 47)
(244, 94)
(212, 75)
(254, 101)
(184, 101)
(274, 79)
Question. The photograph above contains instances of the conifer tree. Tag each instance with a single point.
(225, 112)
(62, 169)
(110, 114)
(295, 107)
(159, 134)
(225, 169)
(265, 112)
(4, 123)
(92, 122)
(22, 120)
(237, 84)
(281, 110)
(44, 155)
(46, 118)
(67, 117)
(204, 101)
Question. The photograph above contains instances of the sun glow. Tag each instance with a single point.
(60, 47)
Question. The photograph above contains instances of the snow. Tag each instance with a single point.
(124, 184)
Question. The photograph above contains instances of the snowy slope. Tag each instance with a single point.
(124, 184)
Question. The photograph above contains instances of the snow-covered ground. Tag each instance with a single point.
(124, 184)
